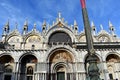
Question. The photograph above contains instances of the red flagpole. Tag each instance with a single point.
(83, 3)
(93, 70)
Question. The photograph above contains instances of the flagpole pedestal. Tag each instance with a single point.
(93, 71)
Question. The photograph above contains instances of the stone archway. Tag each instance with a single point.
(6, 66)
(113, 63)
(61, 63)
(27, 62)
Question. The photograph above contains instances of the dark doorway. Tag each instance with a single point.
(60, 75)
(111, 76)
(7, 77)
(29, 77)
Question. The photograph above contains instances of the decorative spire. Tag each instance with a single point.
(59, 16)
(101, 26)
(44, 25)
(25, 27)
(75, 25)
(92, 24)
(26, 23)
(48, 26)
(7, 24)
(7, 28)
(93, 28)
(111, 27)
(34, 26)
(5, 32)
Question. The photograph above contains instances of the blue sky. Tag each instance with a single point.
(36, 11)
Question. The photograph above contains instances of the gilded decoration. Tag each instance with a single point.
(14, 39)
(61, 56)
(82, 39)
(32, 39)
(60, 24)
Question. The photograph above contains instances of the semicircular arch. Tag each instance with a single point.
(55, 30)
(6, 57)
(61, 47)
(27, 54)
(14, 38)
(55, 67)
(112, 56)
(37, 37)
(97, 55)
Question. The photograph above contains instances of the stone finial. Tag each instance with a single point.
(26, 23)
(48, 26)
(25, 27)
(6, 27)
(111, 27)
(101, 26)
(92, 24)
(75, 23)
(59, 15)
(93, 27)
(7, 24)
(34, 25)
(44, 25)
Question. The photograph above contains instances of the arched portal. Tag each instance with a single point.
(113, 61)
(61, 65)
(60, 72)
(27, 67)
(6, 66)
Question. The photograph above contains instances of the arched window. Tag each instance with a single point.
(60, 37)
(112, 65)
(29, 70)
(30, 73)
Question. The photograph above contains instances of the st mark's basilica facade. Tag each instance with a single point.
(58, 52)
